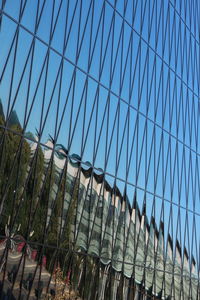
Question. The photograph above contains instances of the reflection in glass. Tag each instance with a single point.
(99, 150)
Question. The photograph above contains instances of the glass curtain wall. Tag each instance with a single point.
(99, 149)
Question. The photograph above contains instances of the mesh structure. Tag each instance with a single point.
(99, 149)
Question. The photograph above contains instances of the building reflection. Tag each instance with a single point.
(60, 213)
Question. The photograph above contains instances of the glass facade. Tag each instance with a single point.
(99, 149)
